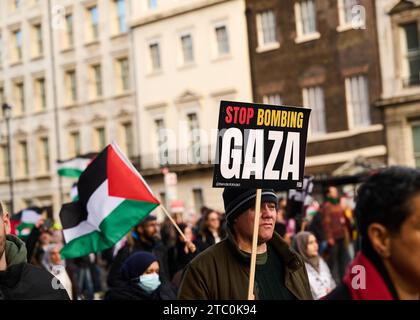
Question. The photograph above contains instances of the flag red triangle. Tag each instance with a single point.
(123, 182)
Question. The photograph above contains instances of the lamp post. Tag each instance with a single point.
(7, 110)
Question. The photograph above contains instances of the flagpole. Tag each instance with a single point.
(254, 245)
(173, 222)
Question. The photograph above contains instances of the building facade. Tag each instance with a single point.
(65, 68)
(190, 54)
(322, 55)
(399, 42)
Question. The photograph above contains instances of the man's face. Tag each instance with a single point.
(55, 256)
(45, 238)
(151, 229)
(4, 230)
(245, 222)
(405, 247)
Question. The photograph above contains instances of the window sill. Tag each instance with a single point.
(222, 57)
(95, 100)
(123, 94)
(155, 73)
(186, 66)
(344, 27)
(268, 47)
(67, 50)
(70, 105)
(344, 134)
(308, 37)
(45, 175)
(37, 58)
(92, 43)
(119, 35)
(22, 179)
(16, 63)
(40, 111)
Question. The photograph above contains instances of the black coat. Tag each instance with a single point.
(131, 291)
(178, 259)
(157, 248)
(27, 282)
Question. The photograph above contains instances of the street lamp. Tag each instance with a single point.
(7, 112)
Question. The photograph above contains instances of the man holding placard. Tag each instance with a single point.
(222, 271)
(258, 147)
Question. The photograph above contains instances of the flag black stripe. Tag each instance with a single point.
(71, 214)
(94, 175)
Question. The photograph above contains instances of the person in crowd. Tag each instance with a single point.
(222, 271)
(140, 280)
(168, 233)
(280, 226)
(320, 278)
(144, 237)
(388, 219)
(335, 230)
(38, 241)
(181, 253)
(314, 226)
(20, 280)
(53, 263)
(85, 282)
(210, 232)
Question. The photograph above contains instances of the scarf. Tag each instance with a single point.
(300, 244)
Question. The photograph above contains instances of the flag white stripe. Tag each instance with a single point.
(30, 216)
(78, 163)
(99, 206)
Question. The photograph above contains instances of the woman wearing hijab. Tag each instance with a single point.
(320, 278)
(140, 280)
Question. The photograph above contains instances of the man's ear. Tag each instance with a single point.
(6, 221)
(380, 239)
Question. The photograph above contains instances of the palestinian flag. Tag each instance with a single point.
(25, 220)
(74, 167)
(113, 197)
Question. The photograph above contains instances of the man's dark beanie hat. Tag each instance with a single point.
(238, 200)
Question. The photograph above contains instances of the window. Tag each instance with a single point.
(96, 81)
(69, 31)
(19, 98)
(313, 97)
(411, 54)
(2, 96)
(187, 49)
(345, 14)
(15, 4)
(100, 139)
(1, 51)
(152, 4)
(44, 156)
(121, 15)
(123, 74)
(128, 138)
(305, 13)
(194, 134)
(23, 163)
(357, 101)
(94, 23)
(4, 163)
(74, 144)
(162, 149)
(273, 99)
(416, 144)
(198, 199)
(71, 86)
(17, 46)
(222, 40)
(155, 56)
(266, 28)
(37, 46)
(40, 94)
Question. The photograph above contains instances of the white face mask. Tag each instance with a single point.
(149, 282)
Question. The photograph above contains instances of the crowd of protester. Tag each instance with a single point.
(153, 260)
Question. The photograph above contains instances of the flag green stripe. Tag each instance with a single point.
(69, 172)
(116, 225)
